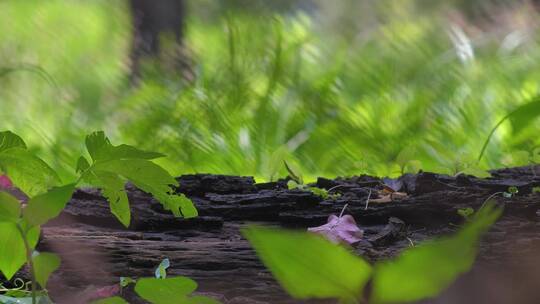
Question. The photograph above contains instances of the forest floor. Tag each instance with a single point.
(96, 250)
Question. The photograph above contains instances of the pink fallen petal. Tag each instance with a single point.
(5, 182)
(339, 230)
(107, 291)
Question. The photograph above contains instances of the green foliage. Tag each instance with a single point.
(466, 212)
(165, 291)
(520, 117)
(12, 249)
(308, 266)
(112, 166)
(10, 208)
(9, 139)
(28, 172)
(44, 263)
(44, 207)
(412, 277)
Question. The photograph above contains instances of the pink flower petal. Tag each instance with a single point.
(5, 182)
(107, 291)
(339, 230)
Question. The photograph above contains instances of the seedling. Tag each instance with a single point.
(297, 182)
(466, 213)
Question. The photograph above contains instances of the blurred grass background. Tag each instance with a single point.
(336, 87)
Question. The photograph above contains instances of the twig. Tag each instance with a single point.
(367, 200)
(490, 197)
(410, 241)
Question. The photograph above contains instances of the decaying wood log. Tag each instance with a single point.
(96, 250)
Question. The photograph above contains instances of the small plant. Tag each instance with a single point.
(466, 213)
(160, 289)
(297, 182)
(110, 169)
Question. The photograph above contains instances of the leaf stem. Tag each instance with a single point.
(30, 263)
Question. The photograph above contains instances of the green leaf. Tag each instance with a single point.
(10, 208)
(426, 270)
(10, 140)
(95, 142)
(161, 270)
(46, 206)
(125, 281)
(44, 264)
(152, 179)
(466, 212)
(519, 118)
(100, 149)
(113, 188)
(82, 165)
(12, 250)
(307, 265)
(523, 115)
(165, 291)
(112, 300)
(28, 172)
(294, 173)
(125, 152)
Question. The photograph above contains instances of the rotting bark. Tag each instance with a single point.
(96, 250)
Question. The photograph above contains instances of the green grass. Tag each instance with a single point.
(334, 99)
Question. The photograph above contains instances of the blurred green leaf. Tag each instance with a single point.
(46, 206)
(44, 264)
(10, 207)
(523, 115)
(520, 117)
(28, 172)
(307, 265)
(12, 249)
(412, 276)
(165, 291)
(10, 140)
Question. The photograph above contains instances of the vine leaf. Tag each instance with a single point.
(113, 166)
(309, 266)
(45, 263)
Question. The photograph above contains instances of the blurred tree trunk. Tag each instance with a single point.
(150, 20)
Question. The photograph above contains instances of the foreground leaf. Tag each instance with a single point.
(9, 139)
(28, 172)
(165, 291)
(44, 264)
(426, 270)
(307, 265)
(47, 206)
(10, 208)
(12, 250)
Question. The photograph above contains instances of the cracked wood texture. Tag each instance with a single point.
(96, 250)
